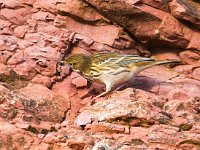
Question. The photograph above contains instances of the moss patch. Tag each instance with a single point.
(132, 121)
(13, 80)
(185, 127)
(191, 142)
(137, 142)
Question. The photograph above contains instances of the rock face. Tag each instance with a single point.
(44, 105)
(150, 25)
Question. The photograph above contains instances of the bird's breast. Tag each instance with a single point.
(118, 75)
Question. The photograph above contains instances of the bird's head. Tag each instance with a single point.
(77, 62)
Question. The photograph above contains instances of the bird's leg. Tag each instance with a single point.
(108, 89)
(119, 87)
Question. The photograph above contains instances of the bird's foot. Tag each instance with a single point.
(100, 95)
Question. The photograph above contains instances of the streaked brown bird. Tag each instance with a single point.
(113, 69)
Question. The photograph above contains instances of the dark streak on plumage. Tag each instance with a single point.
(122, 71)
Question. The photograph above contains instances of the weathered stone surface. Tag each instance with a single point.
(24, 69)
(20, 31)
(169, 84)
(196, 73)
(165, 53)
(69, 92)
(17, 16)
(42, 59)
(43, 103)
(123, 107)
(149, 25)
(186, 10)
(157, 135)
(78, 80)
(43, 80)
(159, 4)
(190, 57)
(85, 13)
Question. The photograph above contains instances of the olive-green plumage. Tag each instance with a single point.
(112, 69)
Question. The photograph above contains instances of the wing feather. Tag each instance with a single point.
(118, 59)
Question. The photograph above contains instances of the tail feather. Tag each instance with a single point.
(147, 64)
(161, 62)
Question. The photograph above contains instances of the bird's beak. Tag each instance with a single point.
(61, 63)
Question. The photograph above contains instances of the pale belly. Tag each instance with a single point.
(117, 79)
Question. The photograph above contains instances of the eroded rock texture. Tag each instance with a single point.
(41, 109)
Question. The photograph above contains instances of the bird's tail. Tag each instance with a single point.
(162, 62)
(148, 64)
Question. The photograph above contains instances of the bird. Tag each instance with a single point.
(113, 69)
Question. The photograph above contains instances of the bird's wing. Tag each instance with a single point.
(118, 59)
(130, 59)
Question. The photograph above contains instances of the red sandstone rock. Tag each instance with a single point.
(11, 4)
(69, 92)
(14, 135)
(7, 31)
(185, 69)
(17, 58)
(76, 105)
(189, 57)
(49, 138)
(183, 113)
(4, 24)
(41, 15)
(121, 106)
(20, 31)
(74, 144)
(42, 59)
(4, 69)
(155, 24)
(78, 80)
(63, 71)
(30, 2)
(24, 69)
(87, 101)
(78, 50)
(165, 54)
(108, 127)
(77, 9)
(149, 80)
(186, 10)
(82, 93)
(22, 125)
(42, 126)
(187, 86)
(105, 144)
(43, 80)
(83, 119)
(24, 44)
(18, 16)
(40, 136)
(157, 135)
(194, 42)
(65, 88)
(4, 56)
(196, 73)
(163, 5)
(41, 146)
(45, 104)
(179, 89)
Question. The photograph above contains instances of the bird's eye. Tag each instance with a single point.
(70, 64)
(61, 63)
